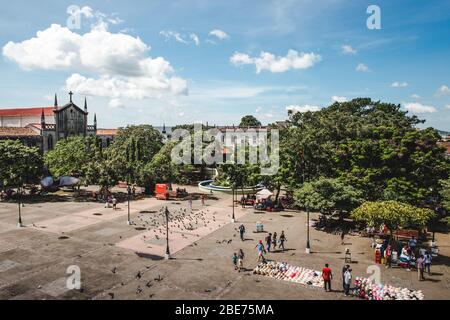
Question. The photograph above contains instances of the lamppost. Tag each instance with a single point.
(129, 194)
(232, 197)
(166, 212)
(308, 247)
(19, 223)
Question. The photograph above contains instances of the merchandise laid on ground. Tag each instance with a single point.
(367, 289)
(287, 272)
(364, 288)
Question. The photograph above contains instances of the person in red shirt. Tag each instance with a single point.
(327, 276)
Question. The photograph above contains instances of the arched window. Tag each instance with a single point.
(50, 142)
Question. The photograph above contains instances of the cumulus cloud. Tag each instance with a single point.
(339, 99)
(361, 67)
(221, 35)
(443, 90)
(347, 49)
(416, 107)
(447, 106)
(119, 64)
(415, 96)
(397, 84)
(302, 109)
(276, 64)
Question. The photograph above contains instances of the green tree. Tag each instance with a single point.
(445, 194)
(18, 163)
(394, 214)
(249, 121)
(133, 148)
(161, 168)
(327, 194)
(69, 157)
(373, 146)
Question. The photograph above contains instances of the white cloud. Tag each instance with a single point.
(397, 84)
(361, 67)
(416, 107)
(347, 49)
(302, 109)
(447, 106)
(339, 99)
(219, 34)
(415, 96)
(119, 63)
(258, 109)
(116, 103)
(443, 90)
(194, 38)
(172, 35)
(268, 61)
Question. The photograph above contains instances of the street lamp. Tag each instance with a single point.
(232, 197)
(166, 212)
(129, 194)
(19, 223)
(308, 247)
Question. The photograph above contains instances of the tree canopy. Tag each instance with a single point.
(249, 121)
(394, 214)
(18, 163)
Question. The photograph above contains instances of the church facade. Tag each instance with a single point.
(44, 127)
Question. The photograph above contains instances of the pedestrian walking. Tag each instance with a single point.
(347, 281)
(327, 276)
(274, 240)
(413, 244)
(344, 269)
(388, 256)
(343, 236)
(240, 260)
(235, 260)
(261, 251)
(203, 199)
(428, 259)
(420, 268)
(268, 242)
(114, 202)
(282, 241)
(190, 204)
(242, 231)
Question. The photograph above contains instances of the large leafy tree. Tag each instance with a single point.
(445, 194)
(394, 214)
(249, 121)
(132, 149)
(161, 168)
(18, 163)
(326, 195)
(70, 157)
(373, 146)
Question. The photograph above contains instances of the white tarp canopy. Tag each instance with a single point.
(264, 194)
(68, 181)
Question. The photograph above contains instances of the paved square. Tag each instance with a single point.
(128, 261)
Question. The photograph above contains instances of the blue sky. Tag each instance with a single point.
(215, 61)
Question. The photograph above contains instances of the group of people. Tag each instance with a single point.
(238, 260)
(271, 241)
(111, 200)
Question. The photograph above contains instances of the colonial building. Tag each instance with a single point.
(44, 127)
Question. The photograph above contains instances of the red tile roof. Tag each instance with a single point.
(26, 112)
(17, 132)
(107, 132)
(446, 145)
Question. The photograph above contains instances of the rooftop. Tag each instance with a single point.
(26, 112)
(17, 132)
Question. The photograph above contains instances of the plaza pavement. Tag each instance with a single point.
(126, 262)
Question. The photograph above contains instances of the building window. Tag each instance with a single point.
(50, 142)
